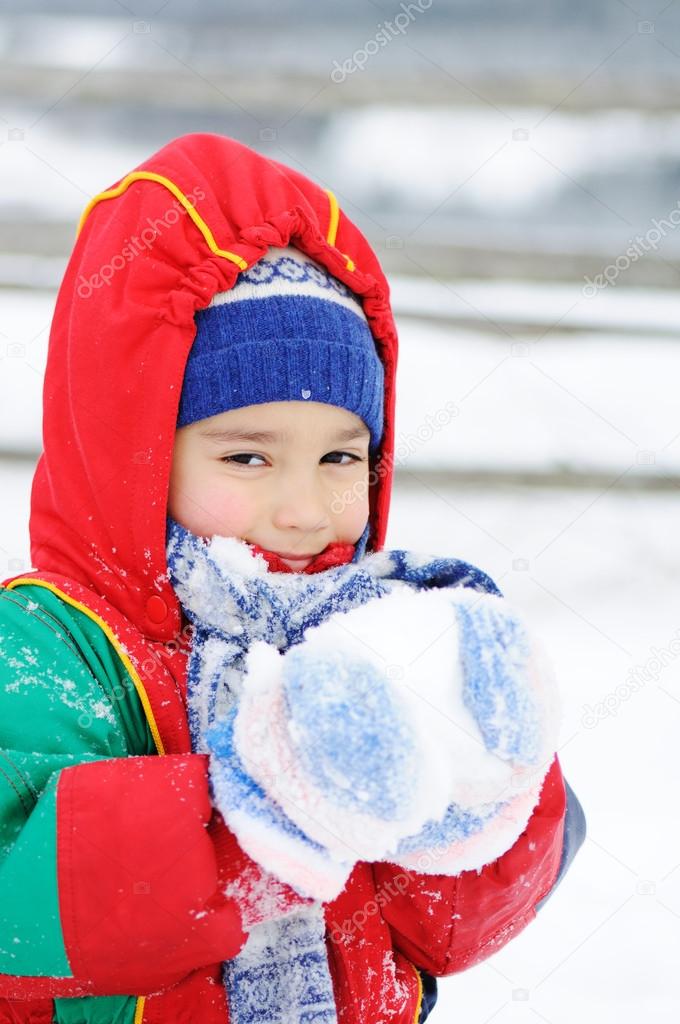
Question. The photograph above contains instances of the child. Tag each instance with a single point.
(180, 590)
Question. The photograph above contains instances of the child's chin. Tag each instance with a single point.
(296, 563)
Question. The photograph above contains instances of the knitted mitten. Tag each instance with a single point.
(420, 718)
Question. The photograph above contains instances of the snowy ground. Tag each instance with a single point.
(596, 571)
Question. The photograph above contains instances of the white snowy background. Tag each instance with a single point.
(558, 474)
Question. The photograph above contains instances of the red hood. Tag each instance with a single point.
(152, 250)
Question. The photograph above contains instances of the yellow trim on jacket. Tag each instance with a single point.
(420, 993)
(160, 179)
(177, 192)
(333, 226)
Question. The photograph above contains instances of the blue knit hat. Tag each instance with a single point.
(288, 330)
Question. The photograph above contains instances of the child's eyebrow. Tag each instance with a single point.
(270, 436)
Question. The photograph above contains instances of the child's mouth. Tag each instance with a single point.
(294, 560)
(294, 557)
(297, 561)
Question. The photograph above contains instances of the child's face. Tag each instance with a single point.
(297, 492)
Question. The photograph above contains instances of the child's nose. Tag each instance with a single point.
(303, 504)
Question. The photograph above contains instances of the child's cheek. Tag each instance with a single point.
(360, 518)
(354, 509)
(235, 511)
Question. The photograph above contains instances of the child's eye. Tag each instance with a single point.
(354, 458)
(241, 455)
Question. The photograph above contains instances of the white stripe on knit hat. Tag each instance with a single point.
(291, 272)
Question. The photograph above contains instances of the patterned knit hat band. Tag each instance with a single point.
(287, 331)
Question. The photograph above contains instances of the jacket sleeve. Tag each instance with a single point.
(445, 924)
(108, 869)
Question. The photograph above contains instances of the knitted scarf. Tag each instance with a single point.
(243, 611)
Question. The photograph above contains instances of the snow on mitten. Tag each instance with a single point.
(476, 689)
(510, 689)
(484, 700)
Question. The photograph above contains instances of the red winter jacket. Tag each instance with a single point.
(152, 250)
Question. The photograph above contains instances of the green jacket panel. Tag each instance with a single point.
(65, 699)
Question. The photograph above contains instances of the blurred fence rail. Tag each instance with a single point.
(283, 91)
